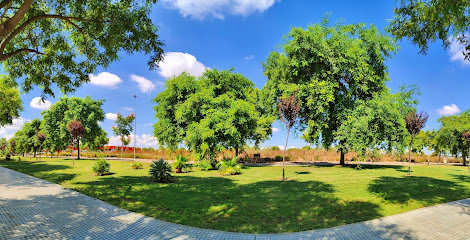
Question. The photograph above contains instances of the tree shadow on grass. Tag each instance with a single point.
(40, 169)
(429, 191)
(223, 204)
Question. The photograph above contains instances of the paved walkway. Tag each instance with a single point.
(31, 208)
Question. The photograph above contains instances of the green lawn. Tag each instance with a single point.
(257, 201)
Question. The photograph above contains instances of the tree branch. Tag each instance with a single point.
(8, 26)
(4, 3)
(6, 40)
(19, 51)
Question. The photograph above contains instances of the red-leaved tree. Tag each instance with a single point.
(77, 130)
(414, 123)
(288, 114)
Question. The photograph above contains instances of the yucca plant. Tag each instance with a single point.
(229, 166)
(181, 164)
(160, 171)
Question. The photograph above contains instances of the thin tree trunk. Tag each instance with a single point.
(122, 150)
(469, 160)
(439, 156)
(341, 157)
(236, 152)
(78, 146)
(409, 157)
(284, 157)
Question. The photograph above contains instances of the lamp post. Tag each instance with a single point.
(135, 121)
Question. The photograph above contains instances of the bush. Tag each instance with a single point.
(204, 165)
(101, 167)
(306, 148)
(8, 157)
(137, 165)
(278, 158)
(160, 171)
(275, 148)
(229, 166)
(180, 165)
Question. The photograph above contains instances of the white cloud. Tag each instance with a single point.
(129, 109)
(144, 85)
(249, 57)
(199, 9)
(9, 130)
(275, 129)
(105, 79)
(448, 110)
(111, 116)
(282, 147)
(143, 141)
(174, 63)
(39, 104)
(456, 51)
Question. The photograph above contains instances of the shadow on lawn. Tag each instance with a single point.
(221, 203)
(426, 190)
(40, 170)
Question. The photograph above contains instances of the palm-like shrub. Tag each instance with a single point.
(181, 164)
(229, 166)
(101, 167)
(137, 165)
(160, 171)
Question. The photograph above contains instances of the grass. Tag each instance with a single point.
(256, 201)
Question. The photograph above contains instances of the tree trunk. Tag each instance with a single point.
(439, 156)
(469, 160)
(409, 157)
(342, 153)
(122, 151)
(78, 147)
(463, 160)
(236, 152)
(284, 157)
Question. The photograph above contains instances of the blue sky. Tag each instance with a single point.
(241, 33)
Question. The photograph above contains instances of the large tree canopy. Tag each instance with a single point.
(57, 42)
(220, 109)
(451, 133)
(85, 110)
(26, 139)
(426, 21)
(330, 68)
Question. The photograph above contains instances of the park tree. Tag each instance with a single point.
(41, 137)
(57, 117)
(414, 123)
(123, 130)
(331, 68)
(218, 110)
(58, 43)
(450, 134)
(288, 114)
(12, 143)
(10, 103)
(379, 123)
(77, 131)
(25, 138)
(3, 146)
(427, 21)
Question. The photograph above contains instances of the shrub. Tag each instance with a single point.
(101, 167)
(180, 165)
(8, 157)
(160, 171)
(306, 148)
(279, 158)
(204, 165)
(275, 148)
(18, 158)
(137, 165)
(229, 166)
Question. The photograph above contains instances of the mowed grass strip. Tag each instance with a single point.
(257, 201)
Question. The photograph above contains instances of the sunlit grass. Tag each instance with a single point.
(257, 201)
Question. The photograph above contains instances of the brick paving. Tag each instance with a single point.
(31, 208)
